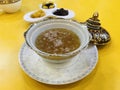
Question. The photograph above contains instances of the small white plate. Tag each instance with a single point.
(58, 74)
(70, 15)
(48, 13)
(27, 17)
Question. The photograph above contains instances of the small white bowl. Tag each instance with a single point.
(11, 7)
(70, 15)
(48, 10)
(79, 29)
(27, 17)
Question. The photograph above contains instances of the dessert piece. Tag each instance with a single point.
(48, 5)
(61, 12)
(38, 14)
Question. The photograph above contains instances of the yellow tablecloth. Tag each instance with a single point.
(106, 75)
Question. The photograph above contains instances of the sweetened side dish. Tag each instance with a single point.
(48, 5)
(61, 12)
(38, 14)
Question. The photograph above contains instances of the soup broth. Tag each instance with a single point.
(57, 40)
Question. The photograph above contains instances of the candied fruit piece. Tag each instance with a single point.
(45, 7)
(37, 14)
(51, 6)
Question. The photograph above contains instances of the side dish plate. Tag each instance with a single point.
(27, 17)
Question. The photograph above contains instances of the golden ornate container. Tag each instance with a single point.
(99, 35)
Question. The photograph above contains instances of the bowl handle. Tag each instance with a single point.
(90, 37)
(25, 34)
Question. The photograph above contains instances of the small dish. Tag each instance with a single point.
(58, 74)
(48, 9)
(70, 15)
(27, 17)
(10, 6)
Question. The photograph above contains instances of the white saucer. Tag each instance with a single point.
(58, 74)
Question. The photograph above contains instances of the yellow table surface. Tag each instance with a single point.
(106, 75)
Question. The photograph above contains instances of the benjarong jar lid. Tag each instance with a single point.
(100, 36)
